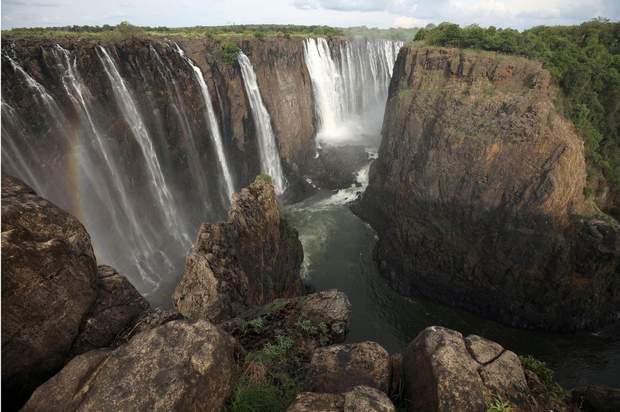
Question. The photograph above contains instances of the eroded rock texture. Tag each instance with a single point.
(338, 368)
(358, 399)
(249, 260)
(56, 302)
(477, 194)
(446, 372)
(179, 366)
(49, 277)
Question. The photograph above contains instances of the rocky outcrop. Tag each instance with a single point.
(179, 366)
(117, 306)
(358, 399)
(49, 276)
(249, 260)
(338, 368)
(477, 194)
(56, 302)
(596, 398)
(446, 372)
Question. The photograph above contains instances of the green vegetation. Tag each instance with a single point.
(259, 31)
(257, 324)
(271, 351)
(257, 397)
(585, 62)
(229, 52)
(277, 305)
(263, 177)
(498, 404)
(543, 372)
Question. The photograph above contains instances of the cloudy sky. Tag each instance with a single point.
(373, 13)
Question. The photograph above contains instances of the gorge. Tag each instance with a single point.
(464, 179)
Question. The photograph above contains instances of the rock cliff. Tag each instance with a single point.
(477, 194)
(249, 260)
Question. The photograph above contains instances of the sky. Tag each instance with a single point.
(520, 14)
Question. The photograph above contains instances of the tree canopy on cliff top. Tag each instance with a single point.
(585, 62)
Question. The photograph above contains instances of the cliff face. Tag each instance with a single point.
(68, 134)
(477, 194)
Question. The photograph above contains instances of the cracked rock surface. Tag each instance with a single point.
(445, 371)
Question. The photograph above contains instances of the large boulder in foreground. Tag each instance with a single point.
(358, 399)
(338, 368)
(179, 366)
(446, 372)
(249, 260)
(49, 277)
(477, 194)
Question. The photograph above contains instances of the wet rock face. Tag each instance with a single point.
(338, 368)
(476, 191)
(446, 372)
(49, 277)
(249, 260)
(179, 366)
(358, 399)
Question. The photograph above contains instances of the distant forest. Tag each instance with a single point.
(257, 30)
(585, 62)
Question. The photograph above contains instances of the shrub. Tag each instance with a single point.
(257, 324)
(229, 52)
(129, 31)
(259, 35)
(264, 177)
(540, 369)
(271, 351)
(253, 397)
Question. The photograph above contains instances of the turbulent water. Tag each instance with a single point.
(350, 82)
(269, 156)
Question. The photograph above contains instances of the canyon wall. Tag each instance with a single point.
(477, 194)
(145, 139)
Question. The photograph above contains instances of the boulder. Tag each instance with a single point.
(446, 372)
(331, 307)
(249, 260)
(358, 399)
(597, 398)
(338, 368)
(118, 305)
(49, 284)
(179, 366)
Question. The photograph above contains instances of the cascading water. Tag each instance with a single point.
(269, 156)
(212, 121)
(350, 81)
(133, 118)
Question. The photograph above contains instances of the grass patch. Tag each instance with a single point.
(255, 397)
(498, 404)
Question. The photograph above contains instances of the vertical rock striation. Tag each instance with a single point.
(477, 194)
(249, 260)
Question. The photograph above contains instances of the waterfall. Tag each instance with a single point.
(212, 122)
(134, 120)
(269, 156)
(350, 81)
(114, 193)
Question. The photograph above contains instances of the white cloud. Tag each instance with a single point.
(408, 22)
